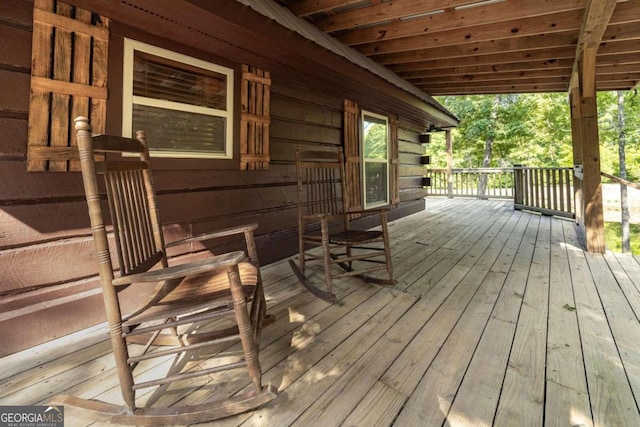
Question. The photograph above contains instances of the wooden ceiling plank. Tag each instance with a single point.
(531, 81)
(618, 68)
(597, 15)
(489, 69)
(505, 89)
(546, 24)
(497, 76)
(569, 21)
(618, 47)
(609, 64)
(617, 77)
(527, 43)
(384, 12)
(495, 59)
(481, 15)
(310, 7)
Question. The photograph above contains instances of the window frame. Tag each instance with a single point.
(128, 99)
(366, 160)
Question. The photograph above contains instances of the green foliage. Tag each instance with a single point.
(375, 138)
(612, 235)
(608, 133)
(534, 129)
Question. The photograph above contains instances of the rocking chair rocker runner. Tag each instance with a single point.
(187, 299)
(323, 221)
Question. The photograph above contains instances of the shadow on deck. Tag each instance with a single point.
(498, 318)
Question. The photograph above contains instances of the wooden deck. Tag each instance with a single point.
(498, 318)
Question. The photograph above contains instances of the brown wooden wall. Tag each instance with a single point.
(48, 283)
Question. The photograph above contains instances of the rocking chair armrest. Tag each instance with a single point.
(215, 234)
(182, 270)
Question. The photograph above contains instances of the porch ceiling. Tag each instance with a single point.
(451, 47)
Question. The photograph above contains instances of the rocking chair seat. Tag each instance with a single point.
(195, 294)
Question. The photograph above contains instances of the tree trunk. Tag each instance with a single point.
(488, 149)
(624, 202)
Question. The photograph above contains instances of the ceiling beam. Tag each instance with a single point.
(596, 18)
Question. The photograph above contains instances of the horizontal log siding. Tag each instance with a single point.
(410, 170)
(48, 284)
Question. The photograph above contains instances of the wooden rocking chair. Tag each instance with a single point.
(188, 298)
(323, 221)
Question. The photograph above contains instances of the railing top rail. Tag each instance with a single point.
(481, 170)
(495, 170)
(621, 180)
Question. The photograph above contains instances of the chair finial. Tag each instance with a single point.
(82, 123)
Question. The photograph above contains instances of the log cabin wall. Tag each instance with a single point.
(48, 281)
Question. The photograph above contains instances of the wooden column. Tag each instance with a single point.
(584, 119)
(576, 133)
(591, 182)
(449, 145)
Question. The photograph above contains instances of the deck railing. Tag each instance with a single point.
(546, 190)
(494, 183)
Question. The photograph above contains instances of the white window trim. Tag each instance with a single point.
(365, 161)
(128, 99)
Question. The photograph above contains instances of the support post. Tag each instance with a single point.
(518, 186)
(576, 133)
(591, 182)
(582, 89)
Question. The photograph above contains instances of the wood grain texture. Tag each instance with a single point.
(335, 363)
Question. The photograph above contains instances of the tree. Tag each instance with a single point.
(624, 200)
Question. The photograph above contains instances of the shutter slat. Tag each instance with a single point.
(77, 26)
(254, 121)
(81, 76)
(40, 101)
(60, 123)
(68, 88)
(353, 184)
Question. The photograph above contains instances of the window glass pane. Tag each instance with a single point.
(374, 138)
(375, 175)
(180, 131)
(161, 78)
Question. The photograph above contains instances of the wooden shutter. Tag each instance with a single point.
(353, 171)
(394, 162)
(68, 79)
(254, 121)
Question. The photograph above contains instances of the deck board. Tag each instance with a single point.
(498, 318)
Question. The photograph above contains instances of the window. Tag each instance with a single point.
(184, 104)
(375, 159)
